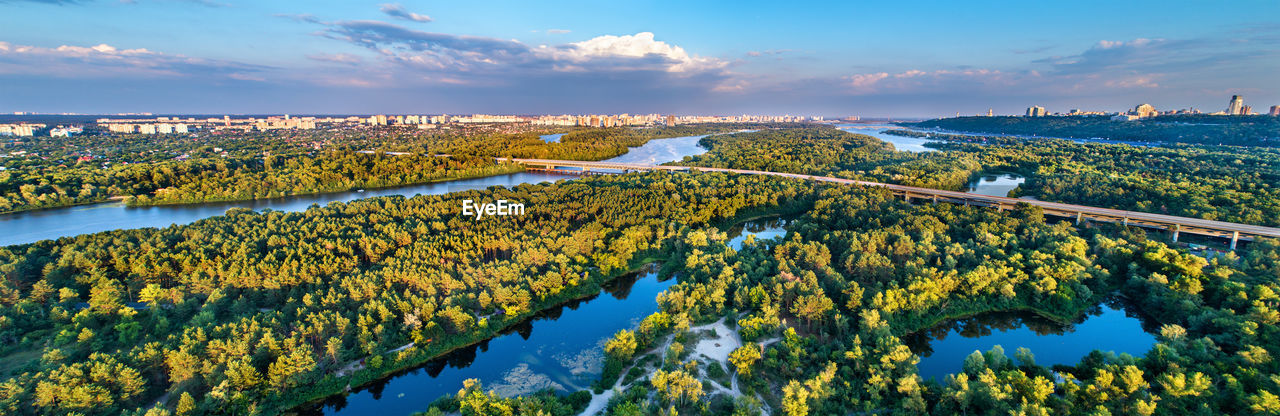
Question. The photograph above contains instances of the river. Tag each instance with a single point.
(32, 226)
(1107, 328)
(904, 143)
(561, 348)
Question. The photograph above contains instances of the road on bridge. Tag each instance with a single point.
(1174, 224)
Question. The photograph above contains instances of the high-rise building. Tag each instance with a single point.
(1236, 107)
(1145, 110)
(1275, 110)
(1246, 110)
(1036, 111)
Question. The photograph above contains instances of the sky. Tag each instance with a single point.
(871, 59)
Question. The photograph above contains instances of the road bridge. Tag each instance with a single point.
(1174, 224)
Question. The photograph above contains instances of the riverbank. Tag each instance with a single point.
(399, 360)
(503, 169)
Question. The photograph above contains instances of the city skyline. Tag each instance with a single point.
(204, 57)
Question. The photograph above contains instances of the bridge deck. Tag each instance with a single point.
(1081, 212)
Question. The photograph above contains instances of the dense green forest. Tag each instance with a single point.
(820, 315)
(1195, 129)
(170, 169)
(256, 312)
(259, 312)
(1213, 182)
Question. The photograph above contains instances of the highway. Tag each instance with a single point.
(1175, 224)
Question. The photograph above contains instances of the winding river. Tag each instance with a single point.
(32, 226)
(559, 349)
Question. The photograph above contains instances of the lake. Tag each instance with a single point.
(561, 348)
(552, 138)
(32, 226)
(942, 349)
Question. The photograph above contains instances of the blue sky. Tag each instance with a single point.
(702, 57)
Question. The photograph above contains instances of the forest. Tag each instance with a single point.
(263, 312)
(1221, 183)
(1258, 130)
(255, 312)
(820, 315)
(176, 169)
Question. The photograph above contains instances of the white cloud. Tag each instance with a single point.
(397, 11)
(557, 31)
(860, 81)
(640, 45)
(104, 60)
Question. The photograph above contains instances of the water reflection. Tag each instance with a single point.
(762, 229)
(27, 227)
(1107, 327)
(996, 184)
(659, 151)
(564, 353)
(902, 143)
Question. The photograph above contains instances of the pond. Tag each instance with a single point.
(762, 229)
(560, 348)
(1109, 327)
(995, 184)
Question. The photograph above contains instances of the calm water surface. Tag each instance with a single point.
(996, 184)
(762, 229)
(943, 349)
(909, 144)
(552, 138)
(560, 349)
(27, 227)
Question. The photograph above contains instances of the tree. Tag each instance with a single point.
(744, 357)
(795, 399)
(622, 346)
(186, 404)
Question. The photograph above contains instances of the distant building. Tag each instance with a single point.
(991, 112)
(1246, 110)
(65, 131)
(1236, 107)
(1144, 111)
(1036, 111)
(1124, 117)
(147, 129)
(1275, 110)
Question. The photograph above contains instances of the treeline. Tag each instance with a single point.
(273, 177)
(170, 169)
(229, 179)
(1261, 131)
(257, 312)
(1212, 182)
(832, 152)
(821, 313)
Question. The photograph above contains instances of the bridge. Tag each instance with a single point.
(1174, 224)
